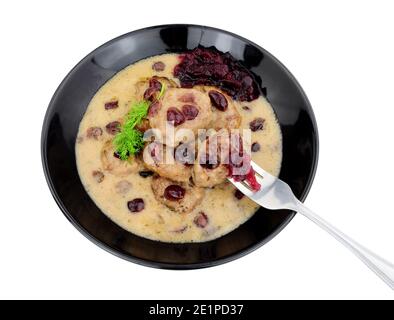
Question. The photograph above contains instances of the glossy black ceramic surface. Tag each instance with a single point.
(65, 111)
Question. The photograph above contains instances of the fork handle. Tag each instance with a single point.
(383, 268)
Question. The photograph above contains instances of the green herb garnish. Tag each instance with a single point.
(138, 111)
(129, 140)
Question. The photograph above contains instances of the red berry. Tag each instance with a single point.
(257, 124)
(113, 127)
(158, 66)
(201, 220)
(189, 111)
(94, 132)
(175, 115)
(218, 100)
(136, 205)
(238, 194)
(174, 192)
(255, 147)
(111, 105)
(154, 108)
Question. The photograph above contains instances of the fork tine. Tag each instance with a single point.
(241, 187)
(267, 178)
(259, 170)
(262, 177)
(246, 185)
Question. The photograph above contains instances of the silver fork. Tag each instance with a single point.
(276, 194)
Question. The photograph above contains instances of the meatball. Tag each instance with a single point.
(208, 178)
(155, 159)
(182, 109)
(208, 170)
(114, 165)
(180, 197)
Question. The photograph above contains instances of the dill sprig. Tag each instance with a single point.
(129, 140)
(163, 88)
(138, 111)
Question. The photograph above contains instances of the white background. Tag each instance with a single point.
(341, 52)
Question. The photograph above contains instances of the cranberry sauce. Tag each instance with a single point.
(211, 67)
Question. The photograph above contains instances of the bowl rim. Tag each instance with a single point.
(165, 265)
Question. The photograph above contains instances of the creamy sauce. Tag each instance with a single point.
(156, 221)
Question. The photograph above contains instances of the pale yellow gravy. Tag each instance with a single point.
(156, 221)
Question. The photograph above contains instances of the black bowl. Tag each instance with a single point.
(65, 111)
